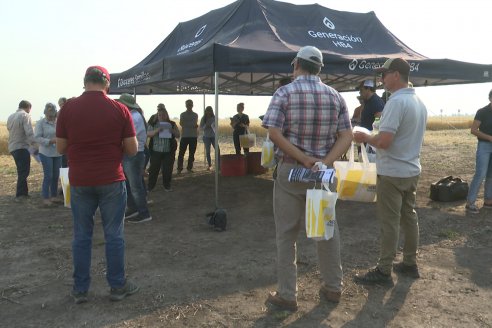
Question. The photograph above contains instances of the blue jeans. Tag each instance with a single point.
(22, 160)
(111, 200)
(137, 196)
(147, 156)
(208, 141)
(483, 170)
(51, 171)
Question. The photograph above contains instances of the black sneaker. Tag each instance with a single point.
(373, 276)
(411, 271)
(130, 214)
(140, 218)
(117, 294)
(472, 208)
(79, 297)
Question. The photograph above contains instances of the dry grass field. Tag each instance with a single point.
(4, 135)
(225, 130)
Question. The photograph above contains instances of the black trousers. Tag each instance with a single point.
(158, 161)
(183, 144)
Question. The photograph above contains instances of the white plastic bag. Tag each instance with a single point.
(65, 186)
(268, 153)
(247, 140)
(356, 181)
(320, 213)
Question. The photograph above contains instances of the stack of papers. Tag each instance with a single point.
(166, 130)
(301, 174)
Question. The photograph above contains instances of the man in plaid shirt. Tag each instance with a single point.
(308, 122)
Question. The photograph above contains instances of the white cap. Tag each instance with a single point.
(310, 54)
(368, 83)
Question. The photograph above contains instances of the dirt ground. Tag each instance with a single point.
(192, 276)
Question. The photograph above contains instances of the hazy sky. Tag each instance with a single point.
(47, 45)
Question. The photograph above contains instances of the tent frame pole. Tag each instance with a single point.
(204, 148)
(216, 139)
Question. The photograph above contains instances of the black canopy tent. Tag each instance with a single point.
(251, 43)
(246, 46)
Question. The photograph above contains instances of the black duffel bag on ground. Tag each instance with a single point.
(449, 189)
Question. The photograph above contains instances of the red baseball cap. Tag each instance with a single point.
(97, 71)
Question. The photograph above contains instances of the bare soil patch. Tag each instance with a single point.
(191, 276)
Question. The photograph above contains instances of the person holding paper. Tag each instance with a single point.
(398, 144)
(309, 122)
(50, 159)
(163, 133)
(207, 124)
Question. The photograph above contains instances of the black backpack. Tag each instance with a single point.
(449, 189)
(218, 219)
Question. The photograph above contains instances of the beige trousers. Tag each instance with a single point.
(289, 201)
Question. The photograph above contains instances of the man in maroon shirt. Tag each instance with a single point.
(95, 131)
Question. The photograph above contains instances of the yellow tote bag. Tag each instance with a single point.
(65, 186)
(320, 213)
(356, 181)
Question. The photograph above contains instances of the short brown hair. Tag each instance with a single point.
(24, 104)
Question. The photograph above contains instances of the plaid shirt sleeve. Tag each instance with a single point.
(275, 115)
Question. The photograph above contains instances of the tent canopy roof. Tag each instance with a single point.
(252, 42)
